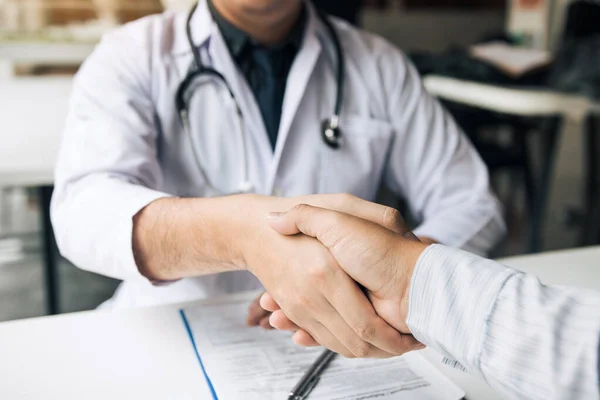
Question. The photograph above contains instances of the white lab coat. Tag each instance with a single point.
(124, 146)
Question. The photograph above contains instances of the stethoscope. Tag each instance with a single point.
(330, 133)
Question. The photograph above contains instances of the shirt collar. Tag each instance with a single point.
(238, 40)
(203, 26)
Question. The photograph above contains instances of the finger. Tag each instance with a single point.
(309, 318)
(346, 237)
(387, 217)
(358, 347)
(370, 335)
(327, 226)
(336, 335)
(268, 303)
(265, 324)
(303, 338)
(412, 344)
(331, 329)
(309, 220)
(254, 317)
(280, 321)
(410, 235)
(255, 314)
(330, 341)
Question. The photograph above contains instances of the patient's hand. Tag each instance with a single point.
(382, 260)
(306, 281)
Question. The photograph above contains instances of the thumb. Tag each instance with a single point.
(327, 226)
(283, 223)
(361, 248)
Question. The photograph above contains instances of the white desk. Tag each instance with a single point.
(146, 353)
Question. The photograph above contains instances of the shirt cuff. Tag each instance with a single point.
(452, 295)
(94, 224)
(138, 198)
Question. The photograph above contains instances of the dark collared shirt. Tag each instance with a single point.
(266, 68)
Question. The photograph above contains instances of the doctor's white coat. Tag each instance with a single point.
(124, 146)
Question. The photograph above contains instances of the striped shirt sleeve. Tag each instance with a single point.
(528, 340)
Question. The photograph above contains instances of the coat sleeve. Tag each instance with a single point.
(434, 165)
(108, 169)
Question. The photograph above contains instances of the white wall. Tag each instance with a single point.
(433, 30)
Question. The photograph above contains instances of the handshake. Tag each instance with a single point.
(340, 278)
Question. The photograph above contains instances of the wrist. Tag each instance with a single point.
(246, 227)
(223, 224)
(409, 254)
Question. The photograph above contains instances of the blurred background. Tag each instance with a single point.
(522, 77)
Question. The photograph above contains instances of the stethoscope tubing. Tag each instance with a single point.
(330, 134)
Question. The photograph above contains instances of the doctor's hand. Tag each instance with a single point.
(380, 259)
(316, 293)
(258, 316)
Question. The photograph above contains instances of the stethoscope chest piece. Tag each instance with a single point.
(330, 131)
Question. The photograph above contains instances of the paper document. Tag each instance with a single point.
(253, 364)
(514, 61)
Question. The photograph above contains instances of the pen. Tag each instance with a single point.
(312, 376)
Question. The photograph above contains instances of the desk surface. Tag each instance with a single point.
(146, 352)
(32, 120)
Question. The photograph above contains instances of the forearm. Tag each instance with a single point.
(542, 341)
(528, 340)
(179, 238)
(176, 238)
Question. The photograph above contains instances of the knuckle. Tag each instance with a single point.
(348, 354)
(364, 331)
(340, 199)
(318, 275)
(296, 309)
(320, 271)
(392, 219)
(301, 303)
(291, 314)
(335, 221)
(398, 352)
(346, 197)
(301, 208)
(361, 350)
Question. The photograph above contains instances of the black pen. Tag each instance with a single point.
(312, 376)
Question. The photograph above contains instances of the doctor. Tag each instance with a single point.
(266, 100)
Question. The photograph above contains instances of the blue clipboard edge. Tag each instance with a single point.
(191, 335)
